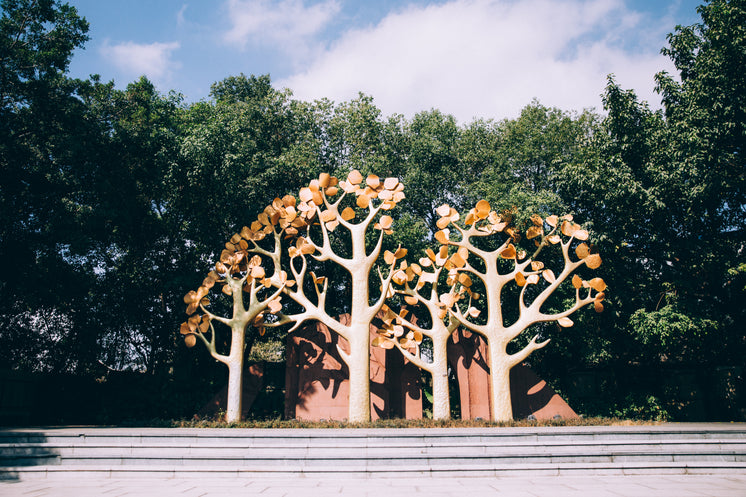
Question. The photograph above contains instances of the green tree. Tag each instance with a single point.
(42, 127)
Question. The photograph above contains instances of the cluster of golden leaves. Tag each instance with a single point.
(392, 329)
(235, 260)
(389, 191)
(481, 217)
(573, 231)
(459, 282)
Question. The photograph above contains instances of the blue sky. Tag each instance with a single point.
(470, 58)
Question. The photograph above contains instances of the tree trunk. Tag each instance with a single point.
(502, 408)
(359, 367)
(235, 383)
(441, 395)
(235, 376)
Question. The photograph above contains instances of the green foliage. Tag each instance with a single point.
(671, 333)
(641, 407)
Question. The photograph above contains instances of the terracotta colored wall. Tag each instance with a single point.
(316, 385)
(467, 354)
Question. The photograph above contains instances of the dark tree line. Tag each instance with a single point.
(113, 202)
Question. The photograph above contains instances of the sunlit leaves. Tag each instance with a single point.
(565, 322)
(593, 261)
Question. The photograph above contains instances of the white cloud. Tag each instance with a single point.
(153, 60)
(485, 58)
(285, 24)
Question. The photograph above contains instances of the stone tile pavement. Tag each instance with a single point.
(542, 486)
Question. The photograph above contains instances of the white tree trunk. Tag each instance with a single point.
(359, 367)
(441, 396)
(502, 408)
(235, 376)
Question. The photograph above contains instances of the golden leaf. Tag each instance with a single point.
(400, 252)
(443, 236)
(328, 215)
(389, 257)
(331, 191)
(567, 228)
(581, 234)
(482, 209)
(443, 210)
(363, 201)
(600, 296)
(537, 265)
(582, 251)
(390, 183)
(288, 201)
(598, 284)
(520, 280)
(508, 252)
(537, 220)
(430, 254)
(552, 221)
(534, 231)
(386, 222)
(577, 282)
(410, 300)
(257, 272)
(324, 180)
(190, 340)
(305, 195)
(532, 279)
(464, 279)
(554, 239)
(473, 312)
(220, 268)
(354, 178)
(386, 195)
(399, 277)
(425, 262)
(332, 225)
(274, 306)
(565, 322)
(373, 181)
(598, 306)
(349, 187)
(227, 290)
(593, 261)
(399, 196)
(548, 275)
(348, 213)
(443, 222)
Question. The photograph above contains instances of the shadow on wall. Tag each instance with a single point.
(24, 449)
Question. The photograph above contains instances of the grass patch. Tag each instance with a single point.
(398, 423)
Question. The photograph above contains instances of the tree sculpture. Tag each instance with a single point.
(497, 267)
(494, 269)
(238, 272)
(418, 284)
(355, 210)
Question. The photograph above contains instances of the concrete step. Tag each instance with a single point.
(364, 471)
(665, 448)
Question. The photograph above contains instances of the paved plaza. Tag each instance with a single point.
(561, 486)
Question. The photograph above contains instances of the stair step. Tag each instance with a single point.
(670, 449)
